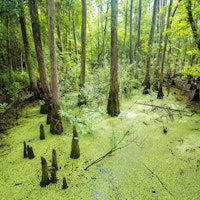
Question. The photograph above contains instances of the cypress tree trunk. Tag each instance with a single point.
(32, 79)
(146, 82)
(9, 49)
(39, 52)
(104, 30)
(125, 28)
(81, 97)
(160, 88)
(113, 99)
(138, 51)
(131, 34)
(193, 24)
(56, 122)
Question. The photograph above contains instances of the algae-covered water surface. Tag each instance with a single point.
(154, 150)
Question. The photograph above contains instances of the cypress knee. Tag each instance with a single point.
(75, 150)
(25, 150)
(42, 134)
(54, 159)
(64, 186)
(45, 173)
(53, 175)
(31, 154)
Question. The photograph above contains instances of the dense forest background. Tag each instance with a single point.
(156, 40)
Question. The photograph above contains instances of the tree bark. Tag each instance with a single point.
(81, 97)
(9, 49)
(32, 79)
(160, 88)
(138, 49)
(131, 34)
(39, 52)
(113, 100)
(146, 82)
(125, 27)
(104, 30)
(56, 122)
(75, 39)
(193, 24)
(83, 41)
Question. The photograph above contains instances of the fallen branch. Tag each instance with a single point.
(158, 178)
(161, 107)
(112, 150)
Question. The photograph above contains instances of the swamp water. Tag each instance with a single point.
(146, 163)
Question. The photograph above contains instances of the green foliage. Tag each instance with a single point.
(127, 82)
(3, 107)
(192, 70)
(13, 90)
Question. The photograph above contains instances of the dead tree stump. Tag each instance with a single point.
(42, 134)
(31, 154)
(25, 150)
(45, 173)
(64, 186)
(54, 160)
(53, 175)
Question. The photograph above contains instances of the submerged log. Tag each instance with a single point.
(42, 134)
(54, 160)
(64, 186)
(45, 173)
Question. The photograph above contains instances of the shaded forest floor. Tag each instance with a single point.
(149, 164)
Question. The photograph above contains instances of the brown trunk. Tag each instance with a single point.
(193, 24)
(131, 33)
(75, 40)
(9, 49)
(113, 100)
(39, 51)
(32, 79)
(56, 122)
(146, 82)
(125, 27)
(81, 97)
(104, 30)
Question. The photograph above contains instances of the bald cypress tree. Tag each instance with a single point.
(113, 100)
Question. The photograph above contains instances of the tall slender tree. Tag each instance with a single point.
(32, 79)
(160, 87)
(113, 99)
(125, 26)
(146, 82)
(56, 122)
(81, 96)
(193, 24)
(40, 56)
(131, 34)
